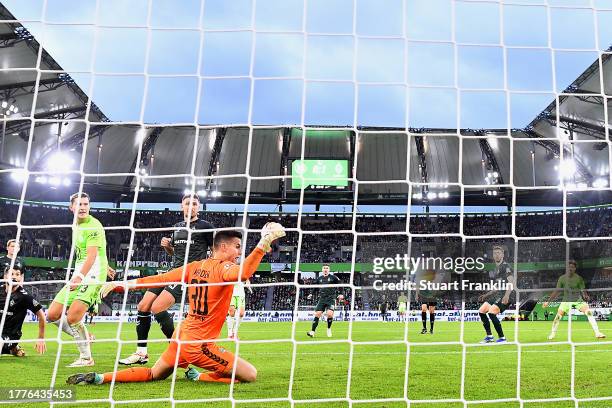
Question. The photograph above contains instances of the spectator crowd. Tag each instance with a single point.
(324, 238)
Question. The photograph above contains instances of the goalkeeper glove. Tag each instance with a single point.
(107, 288)
(270, 233)
(117, 286)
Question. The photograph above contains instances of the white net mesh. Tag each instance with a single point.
(385, 62)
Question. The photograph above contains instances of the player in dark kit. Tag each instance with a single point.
(496, 301)
(6, 261)
(428, 298)
(19, 302)
(383, 311)
(159, 300)
(327, 300)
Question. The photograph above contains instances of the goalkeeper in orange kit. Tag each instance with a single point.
(209, 300)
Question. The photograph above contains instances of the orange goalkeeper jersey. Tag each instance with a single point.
(208, 304)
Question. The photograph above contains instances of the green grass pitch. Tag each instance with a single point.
(377, 370)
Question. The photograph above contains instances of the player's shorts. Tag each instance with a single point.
(429, 302)
(402, 307)
(565, 307)
(175, 290)
(208, 356)
(8, 341)
(502, 306)
(238, 302)
(86, 293)
(324, 305)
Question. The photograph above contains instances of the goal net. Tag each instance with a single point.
(447, 161)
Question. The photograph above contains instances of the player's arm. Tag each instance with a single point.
(555, 292)
(172, 276)
(92, 254)
(585, 295)
(583, 291)
(155, 281)
(249, 267)
(40, 346)
(553, 296)
(269, 233)
(37, 309)
(166, 243)
(506, 298)
(94, 239)
(110, 273)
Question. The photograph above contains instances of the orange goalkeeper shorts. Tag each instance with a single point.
(208, 356)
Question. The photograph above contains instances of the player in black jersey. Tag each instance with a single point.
(327, 300)
(159, 300)
(14, 305)
(384, 306)
(496, 301)
(428, 298)
(12, 249)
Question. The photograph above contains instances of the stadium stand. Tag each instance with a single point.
(53, 244)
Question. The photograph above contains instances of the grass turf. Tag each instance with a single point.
(377, 371)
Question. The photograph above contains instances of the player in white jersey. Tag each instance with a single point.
(238, 303)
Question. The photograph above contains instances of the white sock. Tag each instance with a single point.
(593, 322)
(230, 325)
(235, 323)
(63, 325)
(141, 350)
(79, 333)
(555, 324)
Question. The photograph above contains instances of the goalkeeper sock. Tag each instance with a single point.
(592, 321)
(485, 323)
(329, 322)
(79, 333)
(214, 377)
(143, 325)
(135, 374)
(165, 322)
(424, 319)
(315, 323)
(497, 324)
(432, 319)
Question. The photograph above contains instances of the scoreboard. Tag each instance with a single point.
(319, 174)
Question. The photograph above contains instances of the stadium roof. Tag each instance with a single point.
(435, 155)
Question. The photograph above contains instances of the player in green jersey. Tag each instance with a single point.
(90, 271)
(574, 297)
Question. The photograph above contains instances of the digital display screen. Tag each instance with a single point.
(319, 173)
